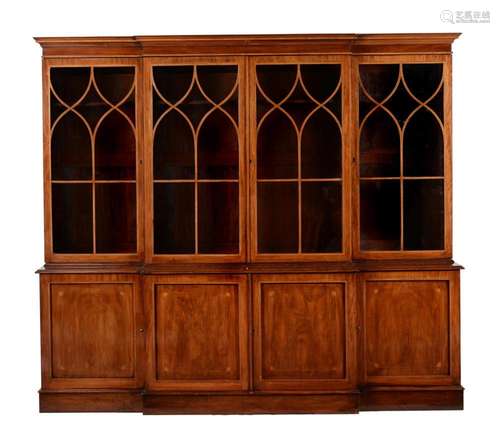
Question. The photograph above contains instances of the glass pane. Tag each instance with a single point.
(423, 145)
(379, 146)
(69, 83)
(218, 221)
(277, 148)
(115, 148)
(436, 104)
(173, 148)
(263, 106)
(218, 148)
(401, 104)
(174, 229)
(217, 81)
(321, 217)
(423, 215)
(173, 81)
(298, 105)
(72, 230)
(71, 149)
(321, 147)
(423, 79)
(320, 80)
(380, 215)
(92, 107)
(231, 107)
(114, 83)
(277, 208)
(195, 106)
(378, 80)
(115, 213)
(276, 81)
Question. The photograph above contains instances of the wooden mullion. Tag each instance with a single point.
(92, 144)
(401, 186)
(374, 178)
(71, 181)
(195, 72)
(218, 181)
(173, 181)
(116, 181)
(326, 179)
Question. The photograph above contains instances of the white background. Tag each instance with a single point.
(476, 189)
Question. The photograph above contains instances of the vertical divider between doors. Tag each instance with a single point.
(243, 101)
(140, 150)
(148, 160)
(355, 186)
(447, 152)
(250, 333)
(251, 160)
(348, 157)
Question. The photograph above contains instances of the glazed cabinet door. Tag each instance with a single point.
(304, 332)
(411, 328)
(195, 154)
(92, 331)
(299, 170)
(403, 176)
(197, 332)
(92, 130)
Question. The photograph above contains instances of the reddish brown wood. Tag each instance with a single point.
(197, 332)
(50, 255)
(250, 404)
(92, 331)
(304, 332)
(249, 332)
(247, 44)
(91, 401)
(411, 328)
(412, 398)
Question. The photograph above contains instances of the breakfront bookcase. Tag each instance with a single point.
(248, 224)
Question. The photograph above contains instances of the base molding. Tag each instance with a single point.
(90, 401)
(412, 398)
(156, 403)
(251, 404)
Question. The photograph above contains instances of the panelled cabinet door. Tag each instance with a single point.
(298, 170)
(92, 128)
(304, 332)
(411, 328)
(92, 331)
(403, 174)
(196, 171)
(197, 332)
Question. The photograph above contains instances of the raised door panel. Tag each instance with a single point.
(299, 158)
(91, 331)
(197, 333)
(92, 148)
(195, 159)
(402, 193)
(304, 332)
(411, 328)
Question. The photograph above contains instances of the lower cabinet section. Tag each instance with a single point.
(92, 332)
(304, 332)
(251, 342)
(411, 328)
(197, 333)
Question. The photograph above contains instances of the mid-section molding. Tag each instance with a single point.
(250, 268)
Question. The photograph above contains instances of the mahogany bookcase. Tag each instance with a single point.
(248, 224)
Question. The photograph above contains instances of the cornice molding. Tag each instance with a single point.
(139, 46)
